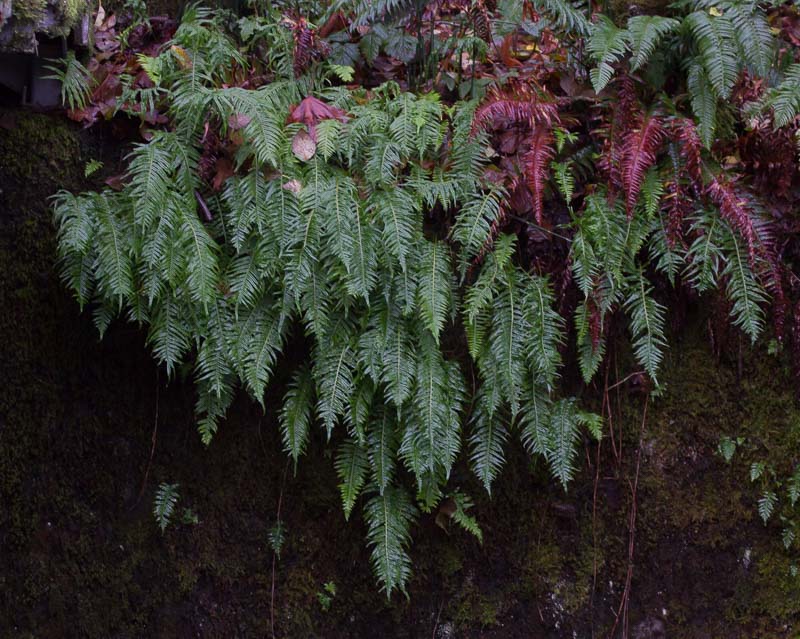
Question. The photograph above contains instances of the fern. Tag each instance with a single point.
(716, 46)
(164, 504)
(743, 288)
(566, 14)
(647, 324)
(393, 243)
(487, 441)
(462, 517)
(645, 34)
(76, 81)
(607, 45)
(352, 467)
(784, 100)
(389, 517)
(639, 154)
(296, 415)
(704, 102)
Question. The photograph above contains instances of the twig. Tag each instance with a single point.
(606, 406)
(436, 625)
(274, 556)
(152, 445)
(626, 593)
(594, 531)
(622, 381)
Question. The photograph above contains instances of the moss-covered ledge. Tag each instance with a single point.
(22, 20)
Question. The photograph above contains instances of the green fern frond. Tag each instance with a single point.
(435, 292)
(352, 468)
(76, 81)
(714, 35)
(382, 449)
(645, 34)
(647, 318)
(743, 288)
(462, 517)
(295, 416)
(607, 44)
(487, 441)
(389, 518)
(784, 100)
(704, 102)
(164, 504)
(566, 14)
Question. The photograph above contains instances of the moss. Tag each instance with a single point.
(28, 11)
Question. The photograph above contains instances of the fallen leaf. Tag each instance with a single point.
(303, 146)
(293, 185)
(224, 170)
(238, 121)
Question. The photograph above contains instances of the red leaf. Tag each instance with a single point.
(735, 211)
(311, 110)
(691, 149)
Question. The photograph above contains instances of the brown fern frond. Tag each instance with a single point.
(307, 46)
(481, 21)
(638, 155)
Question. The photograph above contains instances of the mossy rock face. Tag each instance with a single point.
(82, 556)
(22, 20)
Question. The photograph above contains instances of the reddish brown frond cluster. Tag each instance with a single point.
(516, 103)
(481, 21)
(627, 116)
(771, 156)
(638, 155)
(307, 46)
(532, 112)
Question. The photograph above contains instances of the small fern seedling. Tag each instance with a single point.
(164, 505)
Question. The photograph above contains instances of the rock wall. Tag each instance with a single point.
(82, 556)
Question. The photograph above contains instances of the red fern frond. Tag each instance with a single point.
(536, 162)
(481, 21)
(676, 206)
(516, 103)
(735, 211)
(638, 155)
(627, 117)
(685, 132)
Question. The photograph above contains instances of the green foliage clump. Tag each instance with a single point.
(361, 226)
(333, 245)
